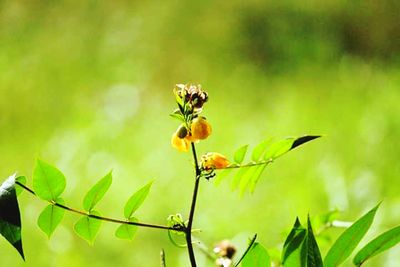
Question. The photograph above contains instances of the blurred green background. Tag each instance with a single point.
(87, 86)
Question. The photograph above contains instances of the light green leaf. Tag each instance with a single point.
(96, 193)
(87, 228)
(380, 244)
(22, 180)
(126, 231)
(10, 219)
(221, 174)
(136, 200)
(257, 257)
(236, 179)
(349, 240)
(51, 217)
(278, 148)
(48, 181)
(246, 178)
(259, 150)
(240, 154)
(254, 179)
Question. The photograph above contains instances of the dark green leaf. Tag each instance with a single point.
(48, 181)
(10, 220)
(250, 245)
(22, 180)
(310, 250)
(304, 139)
(136, 200)
(349, 240)
(257, 257)
(87, 228)
(292, 247)
(126, 231)
(380, 244)
(239, 155)
(51, 217)
(96, 193)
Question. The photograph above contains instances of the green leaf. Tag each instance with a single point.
(246, 178)
(257, 257)
(291, 253)
(96, 193)
(22, 180)
(136, 200)
(381, 243)
(254, 179)
(126, 231)
(349, 240)
(221, 174)
(304, 139)
(238, 176)
(87, 228)
(259, 150)
(48, 181)
(279, 148)
(249, 246)
(51, 217)
(10, 219)
(310, 251)
(240, 154)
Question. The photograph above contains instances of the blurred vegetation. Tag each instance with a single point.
(88, 86)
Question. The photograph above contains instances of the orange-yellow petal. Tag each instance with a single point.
(182, 144)
(200, 129)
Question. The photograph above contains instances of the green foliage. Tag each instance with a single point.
(22, 180)
(264, 153)
(136, 200)
(10, 219)
(87, 228)
(126, 231)
(301, 248)
(380, 244)
(48, 181)
(256, 257)
(51, 217)
(240, 154)
(349, 240)
(97, 192)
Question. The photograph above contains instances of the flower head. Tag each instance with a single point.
(214, 160)
(191, 94)
(200, 128)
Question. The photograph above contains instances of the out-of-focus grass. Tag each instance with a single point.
(88, 87)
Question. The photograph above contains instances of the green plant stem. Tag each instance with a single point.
(100, 217)
(192, 208)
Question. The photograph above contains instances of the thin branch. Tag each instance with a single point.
(192, 208)
(100, 217)
(247, 250)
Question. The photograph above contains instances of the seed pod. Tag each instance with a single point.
(182, 132)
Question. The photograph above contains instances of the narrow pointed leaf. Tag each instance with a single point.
(257, 257)
(279, 148)
(246, 178)
(380, 244)
(96, 193)
(240, 154)
(51, 217)
(291, 254)
(349, 240)
(22, 180)
(10, 219)
(125, 231)
(304, 139)
(310, 250)
(48, 181)
(221, 175)
(87, 228)
(136, 200)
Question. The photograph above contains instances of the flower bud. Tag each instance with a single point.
(214, 160)
(182, 131)
(200, 128)
(182, 144)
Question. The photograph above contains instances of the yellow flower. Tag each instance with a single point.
(214, 160)
(200, 129)
(182, 144)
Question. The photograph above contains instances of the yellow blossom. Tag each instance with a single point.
(200, 129)
(214, 160)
